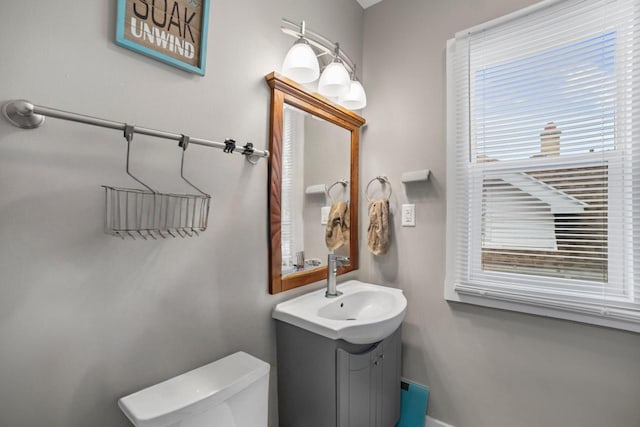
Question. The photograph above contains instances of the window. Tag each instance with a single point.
(542, 204)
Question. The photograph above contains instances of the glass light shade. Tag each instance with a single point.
(356, 98)
(334, 81)
(301, 63)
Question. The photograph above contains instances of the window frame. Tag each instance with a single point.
(511, 299)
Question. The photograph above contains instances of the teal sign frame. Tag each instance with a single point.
(155, 37)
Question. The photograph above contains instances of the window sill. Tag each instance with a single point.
(617, 319)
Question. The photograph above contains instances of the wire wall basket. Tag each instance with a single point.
(134, 213)
(140, 213)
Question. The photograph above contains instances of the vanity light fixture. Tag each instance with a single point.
(301, 63)
(338, 80)
(334, 80)
(355, 98)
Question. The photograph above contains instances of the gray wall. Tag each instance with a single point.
(485, 367)
(86, 318)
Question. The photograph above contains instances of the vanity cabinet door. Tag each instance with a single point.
(368, 385)
(358, 380)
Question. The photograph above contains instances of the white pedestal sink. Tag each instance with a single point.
(363, 314)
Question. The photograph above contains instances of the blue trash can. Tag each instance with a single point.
(414, 399)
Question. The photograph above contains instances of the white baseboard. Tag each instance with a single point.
(432, 422)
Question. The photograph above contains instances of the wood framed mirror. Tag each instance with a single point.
(323, 151)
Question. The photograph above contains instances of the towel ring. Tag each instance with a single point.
(382, 180)
(327, 191)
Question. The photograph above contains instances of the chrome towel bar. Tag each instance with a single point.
(25, 115)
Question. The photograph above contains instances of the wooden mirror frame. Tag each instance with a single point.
(286, 91)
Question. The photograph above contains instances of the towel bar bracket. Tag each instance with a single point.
(229, 145)
(20, 113)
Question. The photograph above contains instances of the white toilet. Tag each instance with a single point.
(230, 392)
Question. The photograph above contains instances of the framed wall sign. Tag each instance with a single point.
(172, 31)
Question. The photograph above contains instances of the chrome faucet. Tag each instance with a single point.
(333, 262)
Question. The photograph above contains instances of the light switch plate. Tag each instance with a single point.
(324, 214)
(408, 215)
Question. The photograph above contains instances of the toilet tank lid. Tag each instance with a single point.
(204, 387)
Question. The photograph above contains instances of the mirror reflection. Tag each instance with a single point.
(315, 216)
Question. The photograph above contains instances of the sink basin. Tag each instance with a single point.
(363, 314)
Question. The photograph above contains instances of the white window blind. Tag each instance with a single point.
(543, 163)
(292, 235)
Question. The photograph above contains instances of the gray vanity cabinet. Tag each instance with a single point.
(329, 383)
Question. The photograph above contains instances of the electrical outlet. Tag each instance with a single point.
(409, 215)
(324, 214)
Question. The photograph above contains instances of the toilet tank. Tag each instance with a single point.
(230, 392)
